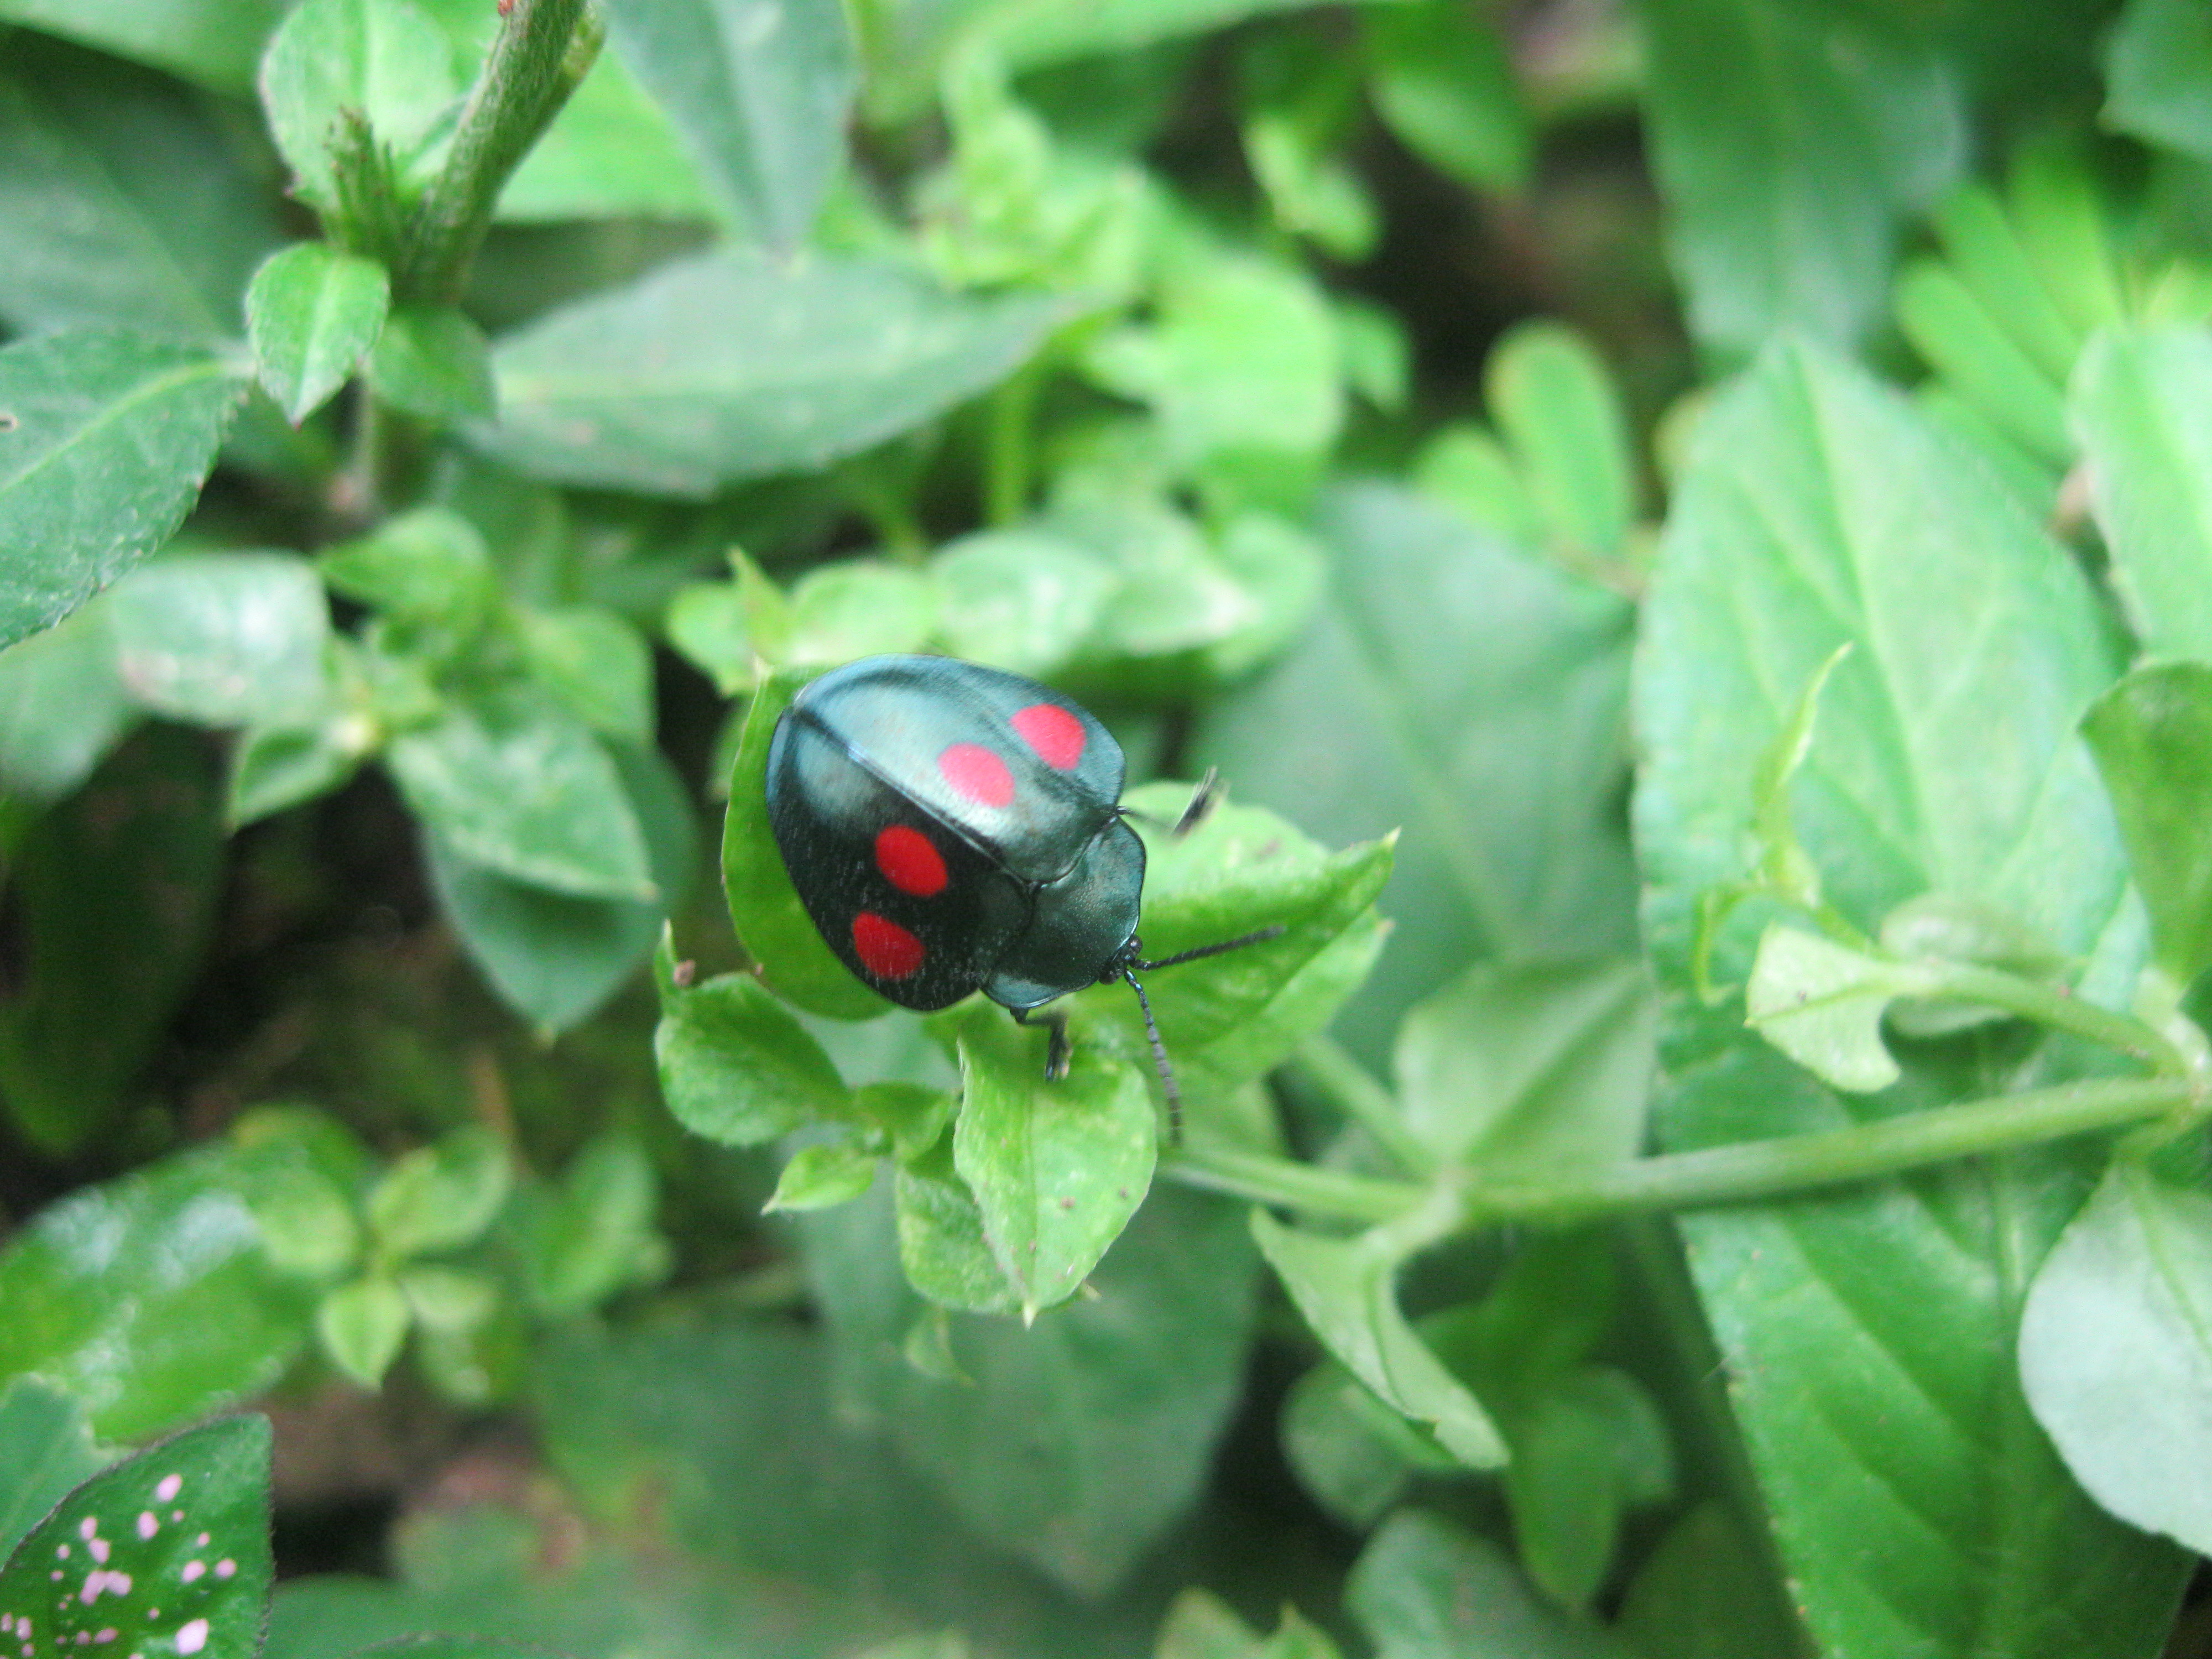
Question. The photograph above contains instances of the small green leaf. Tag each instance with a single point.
(1950, 326)
(2116, 1351)
(387, 60)
(440, 1196)
(736, 1068)
(2152, 736)
(526, 791)
(593, 1234)
(1201, 1625)
(433, 362)
(221, 638)
(312, 315)
(275, 766)
(596, 665)
(428, 564)
(1347, 1288)
(1592, 1448)
(1057, 1168)
(1560, 414)
(104, 438)
(759, 96)
(362, 1326)
(941, 1243)
(446, 1299)
(1423, 1588)
(61, 708)
(2158, 62)
(44, 1450)
(825, 1174)
(1021, 599)
(1443, 83)
(1354, 1455)
(165, 1554)
(707, 622)
(1705, 1593)
(305, 1220)
(862, 608)
(764, 907)
(1821, 1004)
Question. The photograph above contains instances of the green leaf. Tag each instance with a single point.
(440, 1196)
(274, 766)
(1423, 1588)
(433, 361)
(826, 1174)
(1057, 1168)
(527, 792)
(1310, 193)
(306, 1219)
(387, 60)
(555, 957)
(2152, 736)
(427, 565)
(1442, 84)
(1560, 414)
(312, 313)
(362, 1326)
(942, 1250)
(1821, 1004)
(736, 1068)
(771, 923)
(1466, 468)
(104, 438)
(1705, 1593)
(1791, 142)
(1591, 1448)
(2116, 1351)
(648, 387)
(148, 1298)
(759, 96)
(857, 608)
(589, 1235)
(61, 708)
(186, 1521)
(1347, 1288)
(1952, 328)
(1472, 694)
(113, 894)
(1515, 1068)
(2139, 408)
(221, 638)
(1022, 599)
(125, 202)
(43, 1451)
(216, 42)
(1354, 1455)
(1201, 1625)
(596, 665)
(1868, 1334)
(1991, 257)
(2158, 63)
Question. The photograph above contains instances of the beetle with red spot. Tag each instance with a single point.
(951, 828)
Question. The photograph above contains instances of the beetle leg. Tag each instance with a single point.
(1057, 1048)
(1202, 801)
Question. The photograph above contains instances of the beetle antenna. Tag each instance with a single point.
(1237, 944)
(1160, 1061)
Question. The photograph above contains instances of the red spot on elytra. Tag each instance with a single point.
(1055, 734)
(885, 949)
(909, 861)
(977, 774)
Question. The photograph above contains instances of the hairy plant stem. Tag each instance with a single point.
(543, 50)
(1741, 1172)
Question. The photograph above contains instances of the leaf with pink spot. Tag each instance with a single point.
(164, 1557)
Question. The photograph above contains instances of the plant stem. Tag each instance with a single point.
(1735, 1174)
(543, 49)
(2057, 1007)
(1006, 459)
(1350, 1086)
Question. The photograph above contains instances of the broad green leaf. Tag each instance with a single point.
(1057, 1167)
(216, 42)
(434, 362)
(649, 387)
(1791, 142)
(114, 893)
(125, 201)
(312, 313)
(1822, 1003)
(1705, 1594)
(826, 1173)
(596, 663)
(1510, 1068)
(2139, 408)
(104, 438)
(2158, 65)
(1347, 1290)
(221, 638)
(736, 1068)
(43, 1451)
(1075, 1443)
(555, 957)
(525, 791)
(440, 1196)
(61, 708)
(2152, 736)
(1472, 694)
(1443, 83)
(1424, 1589)
(165, 1554)
(1867, 1332)
(387, 60)
(2116, 1351)
(1590, 1449)
(148, 1298)
(362, 1326)
(1560, 412)
(771, 923)
(759, 93)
